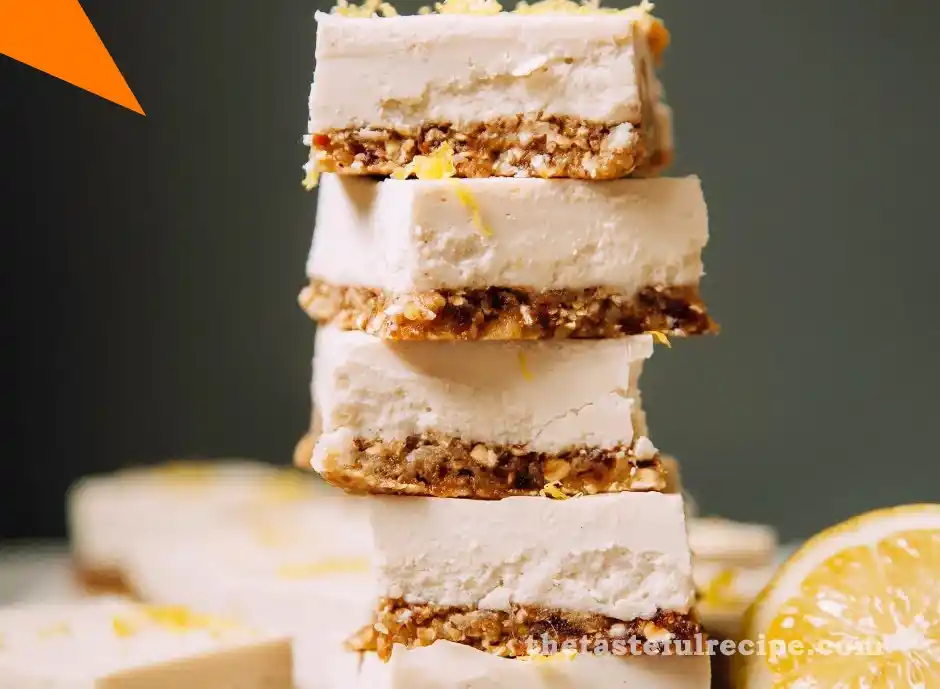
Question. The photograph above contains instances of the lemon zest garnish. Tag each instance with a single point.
(57, 629)
(660, 337)
(173, 618)
(524, 367)
(439, 164)
(184, 472)
(286, 485)
(553, 490)
(311, 175)
(179, 618)
(468, 7)
(122, 627)
(337, 565)
(369, 8)
(467, 198)
(720, 589)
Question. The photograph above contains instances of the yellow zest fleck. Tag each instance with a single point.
(337, 565)
(438, 165)
(123, 627)
(467, 198)
(311, 175)
(57, 629)
(286, 486)
(720, 590)
(564, 7)
(524, 367)
(553, 490)
(369, 8)
(468, 7)
(661, 337)
(182, 472)
(181, 619)
(583, 7)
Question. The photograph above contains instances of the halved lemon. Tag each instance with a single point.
(858, 606)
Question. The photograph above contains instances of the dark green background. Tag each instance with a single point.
(151, 265)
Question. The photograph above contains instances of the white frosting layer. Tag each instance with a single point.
(623, 555)
(457, 69)
(413, 235)
(548, 395)
(302, 569)
(727, 543)
(109, 515)
(114, 643)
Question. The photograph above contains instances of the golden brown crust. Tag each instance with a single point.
(448, 467)
(533, 146)
(509, 633)
(498, 313)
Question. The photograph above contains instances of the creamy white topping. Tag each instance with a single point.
(115, 643)
(624, 555)
(405, 71)
(547, 395)
(109, 515)
(728, 543)
(300, 569)
(413, 235)
(446, 665)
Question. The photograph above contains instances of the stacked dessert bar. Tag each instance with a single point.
(490, 273)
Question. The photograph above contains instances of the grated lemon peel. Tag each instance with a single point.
(181, 472)
(173, 618)
(337, 565)
(720, 590)
(311, 175)
(286, 486)
(122, 627)
(553, 490)
(481, 7)
(467, 198)
(661, 337)
(439, 164)
(524, 367)
(368, 8)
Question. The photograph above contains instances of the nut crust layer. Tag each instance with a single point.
(503, 313)
(446, 467)
(518, 146)
(513, 633)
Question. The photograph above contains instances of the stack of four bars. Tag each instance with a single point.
(482, 332)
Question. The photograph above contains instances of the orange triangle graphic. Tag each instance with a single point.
(57, 37)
